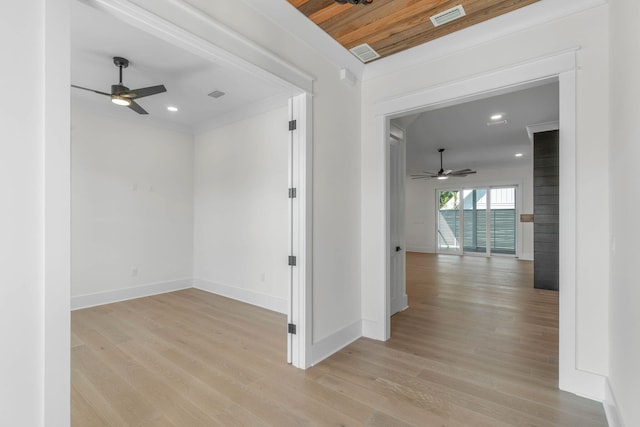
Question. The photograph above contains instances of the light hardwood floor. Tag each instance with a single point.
(478, 347)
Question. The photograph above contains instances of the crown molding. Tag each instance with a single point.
(287, 17)
(291, 20)
(538, 13)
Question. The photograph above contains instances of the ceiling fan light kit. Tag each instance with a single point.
(121, 95)
(442, 173)
(119, 100)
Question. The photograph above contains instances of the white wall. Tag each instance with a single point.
(336, 170)
(587, 30)
(22, 189)
(420, 214)
(241, 217)
(34, 213)
(132, 208)
(624, 374)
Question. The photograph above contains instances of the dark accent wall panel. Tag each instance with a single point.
(546, 201)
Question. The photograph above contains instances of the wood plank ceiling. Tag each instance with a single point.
(391, 26)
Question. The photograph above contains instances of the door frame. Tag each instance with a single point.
(215, 42)
(560, 67)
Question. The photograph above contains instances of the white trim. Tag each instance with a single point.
(541, 127)
(420, 249)
(614, 417)
(502, 26)
(123, 294)
(56, 215)
(301, 173)
(289, 19)
(561, 66)
(193, 30)
(526, 256)
(335, 342)
(518, 76)
(244, 295)
(284, 15)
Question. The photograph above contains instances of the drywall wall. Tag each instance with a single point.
(34, 215)
(336, 166)
(132, 208)
(241, 217)
(624, 371)
(22, 243)
(585, 30)
(420, 213)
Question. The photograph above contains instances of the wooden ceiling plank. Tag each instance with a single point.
(328, 12)
(417, 23)
(313, 6)
(297, 3)
(401, 20)
(397, 43)
(383, 14)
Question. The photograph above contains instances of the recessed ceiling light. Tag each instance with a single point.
(443, 177)
(172, 108)
(519, 154)
(496, 117)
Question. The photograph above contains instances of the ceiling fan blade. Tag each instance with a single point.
(144, 91)
(463, 172)
(137, 108)
(91, 90)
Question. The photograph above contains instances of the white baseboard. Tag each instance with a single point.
(269, 302)
(526, 256)
(583, 383)
(614, 418)
(420, 249)
(335, 342)
(123, 294)
(371, 329)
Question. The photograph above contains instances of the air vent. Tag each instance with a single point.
(448, 16)
(216, 94)
(365, 53)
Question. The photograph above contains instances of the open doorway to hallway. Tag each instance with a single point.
(449, 222)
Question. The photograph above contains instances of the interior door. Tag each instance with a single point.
(398, 295)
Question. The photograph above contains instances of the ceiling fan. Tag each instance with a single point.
(443, 174)
(121, 95)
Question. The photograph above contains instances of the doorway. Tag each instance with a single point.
(296, 86)
(561, 68)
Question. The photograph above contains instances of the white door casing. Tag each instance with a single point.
(275, 70)
(561, 67)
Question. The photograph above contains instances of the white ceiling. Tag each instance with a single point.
(469, 142)
(96, 37)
